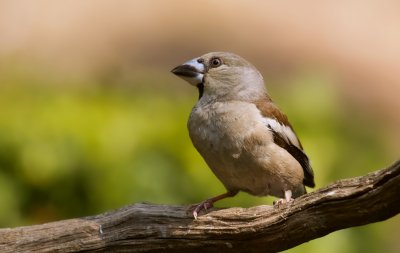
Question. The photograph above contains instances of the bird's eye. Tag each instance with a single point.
(215, 62)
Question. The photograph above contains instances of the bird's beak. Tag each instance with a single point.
(192, 71)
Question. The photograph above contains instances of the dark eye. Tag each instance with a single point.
(215, 62)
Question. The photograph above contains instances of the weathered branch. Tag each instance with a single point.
(156, 228)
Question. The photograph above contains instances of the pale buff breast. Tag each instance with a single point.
(239, 149)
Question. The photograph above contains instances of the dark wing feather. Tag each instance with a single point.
(298, 154)
(269, 110)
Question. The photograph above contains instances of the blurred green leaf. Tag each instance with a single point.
(83, 147)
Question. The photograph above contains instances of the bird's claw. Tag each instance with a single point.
(280, 202)
(288, 198)
(197, 208)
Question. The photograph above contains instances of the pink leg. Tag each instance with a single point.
(208, 203)
(287, 199)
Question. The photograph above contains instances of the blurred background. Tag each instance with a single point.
(91, 119)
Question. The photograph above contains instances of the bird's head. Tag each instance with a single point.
(222, 76)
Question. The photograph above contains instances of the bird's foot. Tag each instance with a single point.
(280, 202)
(197, 208)
(288, 198)
(208, 203)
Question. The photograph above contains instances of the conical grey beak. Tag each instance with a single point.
(191, 71)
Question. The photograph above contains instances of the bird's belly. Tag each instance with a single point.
(255, 172)
(240, 151)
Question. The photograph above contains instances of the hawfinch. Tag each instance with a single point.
(244, 138)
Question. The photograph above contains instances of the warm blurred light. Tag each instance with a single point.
(359, 41)
(89, 112)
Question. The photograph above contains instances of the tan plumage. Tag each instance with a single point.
(244, 138)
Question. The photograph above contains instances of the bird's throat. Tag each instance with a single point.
(200, 87)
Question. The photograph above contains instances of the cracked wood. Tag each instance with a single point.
(160, 228)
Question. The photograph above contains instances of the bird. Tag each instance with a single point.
(242, 135)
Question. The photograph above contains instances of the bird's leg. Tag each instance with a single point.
(287, 199)
(208, 203)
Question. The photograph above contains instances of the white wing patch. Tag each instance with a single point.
(285, 131)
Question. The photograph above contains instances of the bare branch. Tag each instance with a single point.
(158, 228)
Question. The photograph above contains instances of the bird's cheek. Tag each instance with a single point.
(199, 78)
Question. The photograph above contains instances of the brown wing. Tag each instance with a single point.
(285, 137)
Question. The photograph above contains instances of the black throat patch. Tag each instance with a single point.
(200, 87)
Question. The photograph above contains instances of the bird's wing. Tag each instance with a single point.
(285, 137)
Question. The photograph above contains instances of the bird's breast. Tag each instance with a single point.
(221, 128)
(237, 145)
(213, 123)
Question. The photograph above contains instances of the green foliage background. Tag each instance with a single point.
(71, 147)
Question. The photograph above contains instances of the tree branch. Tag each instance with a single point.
(146, 227)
